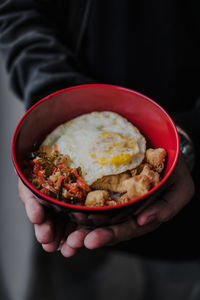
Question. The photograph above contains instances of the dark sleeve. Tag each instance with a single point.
(37, 62)
(190, 122)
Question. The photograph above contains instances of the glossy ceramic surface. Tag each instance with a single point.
(152, 120)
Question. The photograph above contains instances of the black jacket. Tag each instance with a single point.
(149, 46)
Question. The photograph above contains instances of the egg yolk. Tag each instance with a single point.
(113, 148)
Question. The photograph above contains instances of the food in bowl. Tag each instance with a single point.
(96, 159)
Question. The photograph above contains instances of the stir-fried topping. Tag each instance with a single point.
(51, 175)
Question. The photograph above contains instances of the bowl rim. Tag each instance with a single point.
(87, 208)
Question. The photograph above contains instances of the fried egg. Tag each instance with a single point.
(101, 143)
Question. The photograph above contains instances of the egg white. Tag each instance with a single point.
(101, 143)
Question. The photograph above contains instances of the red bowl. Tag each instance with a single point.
(150, 118)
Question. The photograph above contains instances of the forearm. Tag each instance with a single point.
(37, 62)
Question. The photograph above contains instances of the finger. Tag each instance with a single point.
(45, 232)
(68, 251)
(54, 245)
(99, 237)
(114, 234)
(34, 209)
(63, 228)
(76, 238)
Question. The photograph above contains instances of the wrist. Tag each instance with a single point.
(186, 147)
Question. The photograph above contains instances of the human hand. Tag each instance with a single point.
(177, 194)
(49, 230)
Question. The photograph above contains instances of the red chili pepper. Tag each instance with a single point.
(36, 169)
(75, 173)
(81, 183)
(74, 190)
(54, 171)
(35, 160)
(72, 187)
(41, 174)
(80, 194)
(67, 185)
(62, 167)
(59, 181)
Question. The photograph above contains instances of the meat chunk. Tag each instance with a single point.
(97, 198)
(131, 184)
(114, 183)
(111, 202)
(156, 158)
(152, 175)
(123, 199)
(137, 186)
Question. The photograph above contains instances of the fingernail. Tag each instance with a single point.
(60, 245)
